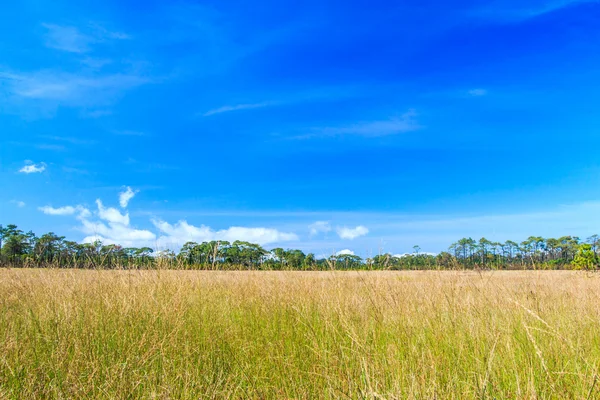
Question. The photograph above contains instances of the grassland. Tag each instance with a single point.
(190, 334)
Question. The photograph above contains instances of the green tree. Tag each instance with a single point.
(16, 243)
(48, 247)
(309, 261)
(348, 261)
(585, 258)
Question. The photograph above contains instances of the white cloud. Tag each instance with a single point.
(520, 11)
(181, 232)
(236, 108)
(67, 38)
(72, 40)
(127, 132)
(319, 227)
(18, 203)
(405, 123)
(113, 227)
(97, 113)
(68, 139)
(352, 233)
(345, 252)
(77, 89)
(66, 210)
(125, 196)
(112, 215)
(477, 92)
(31, 168)
(116, 233)
(51, 147)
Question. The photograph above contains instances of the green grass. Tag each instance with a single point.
(306, 335)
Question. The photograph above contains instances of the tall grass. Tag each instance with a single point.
(306, 335)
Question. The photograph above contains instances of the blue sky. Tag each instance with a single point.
(320, 125)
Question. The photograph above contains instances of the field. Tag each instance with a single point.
(305, 335)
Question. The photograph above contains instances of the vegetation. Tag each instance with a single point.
(20, 249)
(303, 335)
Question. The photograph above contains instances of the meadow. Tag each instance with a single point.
(303, 335)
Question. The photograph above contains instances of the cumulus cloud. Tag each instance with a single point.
(319, 227)
(116, 233)
(345, 252)
(31, 168)
(113, 228)
(111, 214)
(125, 196)
(181, 232)
(18, 203)
(352, 233)
(110, 226)
(65, 210)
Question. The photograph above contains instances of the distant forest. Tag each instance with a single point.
(25, 249)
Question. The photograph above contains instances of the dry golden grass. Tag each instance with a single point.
(191, 334)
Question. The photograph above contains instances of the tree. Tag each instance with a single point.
(382, 261)
(585, 258)
(244, 253)
(594, 241)
(309, 261)
(349, 261)
(483, 247)
(191, 253)
(48, 246)
(3, 232)
(15, 242)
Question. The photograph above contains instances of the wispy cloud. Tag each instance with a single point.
(18, 203)
(87, 85)
(31, 168)
(285, 98)
(72, 170)
(477, 92)
(68, 139)
(96, 113)
(52, 147)
(507, 10)
(145, 166)
(67, 38)
(127, 132)
(319, 227)
(72, 40)
(392, 126)
(68, 87)
(238, 107)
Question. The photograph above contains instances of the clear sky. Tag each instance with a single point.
(320, 125)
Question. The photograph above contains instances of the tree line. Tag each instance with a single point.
(25, 249)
